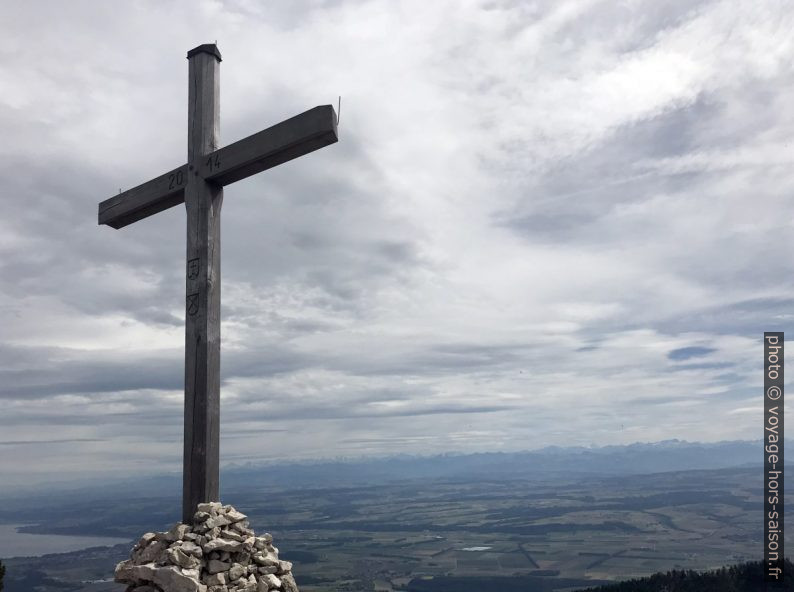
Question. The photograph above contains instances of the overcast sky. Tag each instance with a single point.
(547, 222)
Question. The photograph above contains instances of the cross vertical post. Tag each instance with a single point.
(203, 201)
(199, 185)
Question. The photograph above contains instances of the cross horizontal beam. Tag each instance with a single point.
(275, 145)
(280, 143)
(154, 196)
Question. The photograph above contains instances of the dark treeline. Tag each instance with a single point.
(744, 577)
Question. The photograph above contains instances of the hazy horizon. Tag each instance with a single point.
(63, 481)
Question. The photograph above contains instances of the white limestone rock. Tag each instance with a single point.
(212, 508)
(266, 559)
(271, 580)
(236, 572)
(288, 583)
(191, 548)
(218, 553)
(178, 557)
(168, 578)
(243, 528)
(284, 567)
(149, 553)
(223, 545)
(232, 535)
(122, 572)
(234, 516)
(214, 521)
(177, 533)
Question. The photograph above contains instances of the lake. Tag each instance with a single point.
(18, 544)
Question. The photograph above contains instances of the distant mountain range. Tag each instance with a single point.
(553, 462)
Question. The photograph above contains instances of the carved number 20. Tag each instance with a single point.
(175, 179)
(214, 162)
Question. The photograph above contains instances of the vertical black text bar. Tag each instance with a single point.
(773, 456)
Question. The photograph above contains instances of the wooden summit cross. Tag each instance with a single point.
(199, 184)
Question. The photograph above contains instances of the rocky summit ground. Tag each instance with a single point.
(218, 553)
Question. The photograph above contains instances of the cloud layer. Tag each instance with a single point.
(544, 223)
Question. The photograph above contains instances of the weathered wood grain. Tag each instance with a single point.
(161, 193)
(275, 145)
(203, 201)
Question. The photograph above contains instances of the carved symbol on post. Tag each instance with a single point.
(192, 304)
(193, 269)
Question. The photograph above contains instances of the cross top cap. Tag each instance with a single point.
(209, 48)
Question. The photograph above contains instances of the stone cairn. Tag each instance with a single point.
(219, 553)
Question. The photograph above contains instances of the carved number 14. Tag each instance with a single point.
(214, 162)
